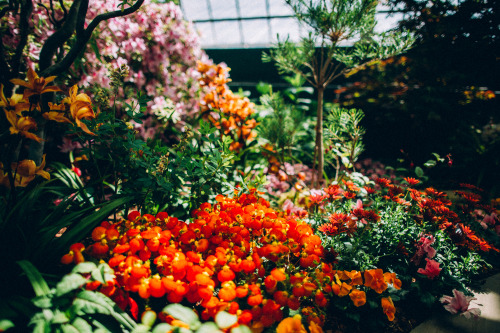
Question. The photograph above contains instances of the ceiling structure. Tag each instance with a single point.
(253, 23)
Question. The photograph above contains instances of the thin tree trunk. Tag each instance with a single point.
(319, 137)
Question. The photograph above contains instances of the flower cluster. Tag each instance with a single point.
(435, 207)
(227, 111)
(24, 113)
(239, 255)
(158, 45)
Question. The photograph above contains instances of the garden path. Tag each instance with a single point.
(489, 321)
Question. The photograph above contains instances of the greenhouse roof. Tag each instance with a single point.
(253, 23)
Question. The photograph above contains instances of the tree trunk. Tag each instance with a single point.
(319, 138)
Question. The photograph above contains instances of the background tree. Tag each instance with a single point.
(448, 104)
(321, 57)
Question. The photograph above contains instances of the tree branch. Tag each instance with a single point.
(25, 15)
(59, 37)
(83, 36)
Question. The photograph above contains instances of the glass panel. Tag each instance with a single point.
(195, 9)
(205, 31)
(279, 8)
(228, 33)
(222, 9)
(252, 8)
(256, 32)
(285, 27)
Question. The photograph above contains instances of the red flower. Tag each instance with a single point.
(431, 269)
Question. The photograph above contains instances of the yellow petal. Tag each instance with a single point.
(56, 116)
(32, 75)
(22, 83)
(50, 89)
(31, 136)
(49, 79)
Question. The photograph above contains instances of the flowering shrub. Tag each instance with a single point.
(238, 255)
(160, 48)
(434, 245)
(227, 111)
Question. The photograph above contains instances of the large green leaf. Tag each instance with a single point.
(182, 313)
(37, 281)
(94, 302)
(84, 226)
(69, 283)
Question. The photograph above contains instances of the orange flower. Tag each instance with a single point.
(56, 113)
(21, 125)
(388, 307)
(12, 102)
(36, 85)
(315, 328)
(291, 325)
(358, 297)
(80, 108)
(26, 170)
(374, 279)
(391, 278)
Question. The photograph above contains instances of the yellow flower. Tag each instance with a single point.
(80, 108)
(21, 125)
(315, 328)
(26, 170)
(291, 325)
(9, 103)
(36, 85)
(56, 113)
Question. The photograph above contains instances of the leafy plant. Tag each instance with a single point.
(320, 57)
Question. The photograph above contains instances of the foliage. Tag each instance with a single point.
(345, 136)
(320, 59)
(433, 244)
(422, 102)
(238, 255)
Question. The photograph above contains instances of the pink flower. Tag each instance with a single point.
(424, 249)
(431, 269)
(460, 304)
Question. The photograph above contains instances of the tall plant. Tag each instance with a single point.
(321, 56)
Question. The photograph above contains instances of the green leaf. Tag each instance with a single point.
(95, 302)
(241, 329)
(67, 328)
(141, 328)
(208, 327)
(225, 320)
(42, 302)
(182, 313)
(430, 163)
(37, 281)
(103, 273)
(84, 267)
(81, 325)
(419, 172)
(59, 318)
(5, 324)
(162, 328)
(69, 283)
